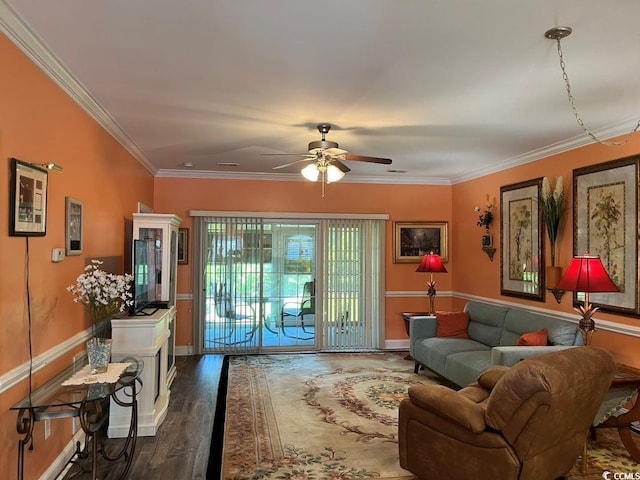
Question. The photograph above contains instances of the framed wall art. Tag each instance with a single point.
(183, 246)
(28, 200)
(74, 227)
(413, 240)
(522, 259)
(605, 223)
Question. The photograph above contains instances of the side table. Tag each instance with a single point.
(624, 387)
(87, 402)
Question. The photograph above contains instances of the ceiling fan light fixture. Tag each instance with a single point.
(334, 174)
(310, 172)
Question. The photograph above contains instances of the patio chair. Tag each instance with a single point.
(297, 310)
(233, 313)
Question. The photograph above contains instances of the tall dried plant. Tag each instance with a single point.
(553, 206)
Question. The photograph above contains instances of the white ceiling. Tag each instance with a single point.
(449, 89)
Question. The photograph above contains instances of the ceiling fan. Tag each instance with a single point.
(325, 153)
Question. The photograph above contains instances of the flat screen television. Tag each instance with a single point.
(144, 276)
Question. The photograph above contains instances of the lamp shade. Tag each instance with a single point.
(431, 263)
(310, 172)
(334, 174)
(586, 273)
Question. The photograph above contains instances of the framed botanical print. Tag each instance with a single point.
(605, 223)
(28, 201)
(522, 259)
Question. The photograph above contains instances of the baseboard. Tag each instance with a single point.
(184, 350)
(396, 345)
(59, 465)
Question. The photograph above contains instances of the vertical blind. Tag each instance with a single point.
(233, 314)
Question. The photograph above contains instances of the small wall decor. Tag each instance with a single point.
(605, 223)
(28, 201)
(183, 246)
(522, 261)
(413, 240)
(74, 230)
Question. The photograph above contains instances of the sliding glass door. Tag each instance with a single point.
(276, 285)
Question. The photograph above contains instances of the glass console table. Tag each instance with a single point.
(89, 402)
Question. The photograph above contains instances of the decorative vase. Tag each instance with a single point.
(553, 275)
(99, 353)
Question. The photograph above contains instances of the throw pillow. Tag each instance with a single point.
(533, 339)
(452, 324)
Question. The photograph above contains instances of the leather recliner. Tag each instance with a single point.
(528, 422)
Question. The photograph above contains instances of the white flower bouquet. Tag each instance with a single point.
(103, 294)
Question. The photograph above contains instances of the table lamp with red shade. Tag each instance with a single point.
(587, 274)
(431, 263)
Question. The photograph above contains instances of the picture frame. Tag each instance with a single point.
(28, 200)
(183, 246)
(522, 246)
(74, 226)
(605, 223)
(413, 240)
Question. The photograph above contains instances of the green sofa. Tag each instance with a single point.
(493, 332)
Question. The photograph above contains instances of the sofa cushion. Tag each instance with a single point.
(433, 352)
(464, 368)
(533, 339)
(486, 322)
(519, 321)
(452, 324)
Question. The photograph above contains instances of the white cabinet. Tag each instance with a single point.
(151, 340)
(163, 230)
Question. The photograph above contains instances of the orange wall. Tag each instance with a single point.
(401, 202)
(40, 123)
(481, 277)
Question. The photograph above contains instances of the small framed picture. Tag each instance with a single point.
(28, 201)
(413, 240)
(74, 228)
(183, 246)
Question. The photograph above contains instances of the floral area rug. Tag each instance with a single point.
(335, 416)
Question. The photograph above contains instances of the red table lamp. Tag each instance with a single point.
(431, 263)
(587, 274)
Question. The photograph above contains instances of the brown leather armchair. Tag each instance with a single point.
(529, 421)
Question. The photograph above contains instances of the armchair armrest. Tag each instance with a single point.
(421, 327)
(510, 355)
(450, 404)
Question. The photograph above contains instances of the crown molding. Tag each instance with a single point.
(31, 45)
(582, 140)
(295, 177)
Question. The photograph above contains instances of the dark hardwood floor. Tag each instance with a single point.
(180, 449)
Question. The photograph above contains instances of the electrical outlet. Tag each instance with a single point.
(47, 429)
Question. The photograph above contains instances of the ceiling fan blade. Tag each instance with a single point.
(335, 151)
(341, 166)
(292, 163)
(287, 154)
(360, 158)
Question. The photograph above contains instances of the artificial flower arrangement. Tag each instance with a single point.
(103, 294)
(553, 206)
(486, 217)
